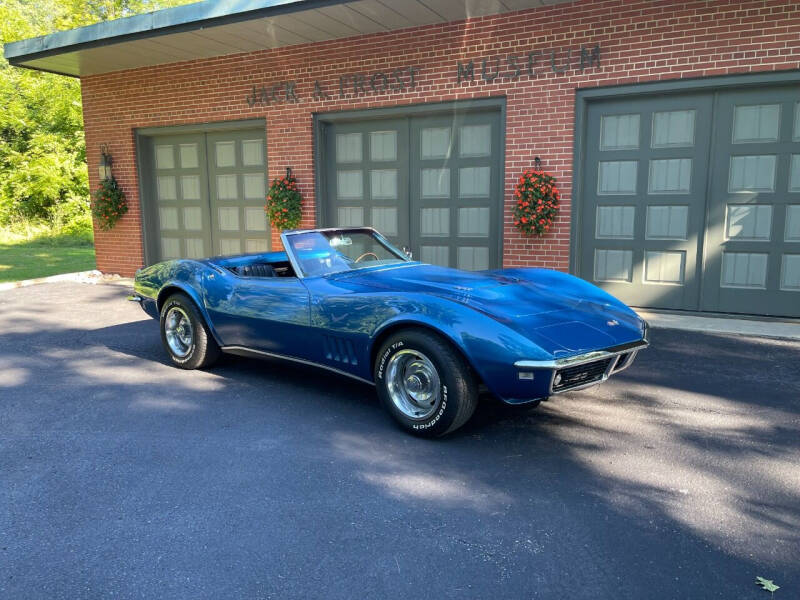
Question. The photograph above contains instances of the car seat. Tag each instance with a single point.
(256, 270)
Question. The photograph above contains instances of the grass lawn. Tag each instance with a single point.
(40, 257)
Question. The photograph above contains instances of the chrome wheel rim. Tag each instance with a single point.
(413, 384)
(178, 331)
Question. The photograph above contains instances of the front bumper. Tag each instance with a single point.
(583, 370)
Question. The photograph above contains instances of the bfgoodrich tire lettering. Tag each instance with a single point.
(424, 383)
(189, 344)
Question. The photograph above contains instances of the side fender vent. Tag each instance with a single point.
(339, 350)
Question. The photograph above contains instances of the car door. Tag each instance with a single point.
(269, 314)
(342, 321)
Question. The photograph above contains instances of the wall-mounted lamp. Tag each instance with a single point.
(105, 162)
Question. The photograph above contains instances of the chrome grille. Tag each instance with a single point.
(623, 358)
(580, 374)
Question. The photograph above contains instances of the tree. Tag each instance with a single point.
(42, 151)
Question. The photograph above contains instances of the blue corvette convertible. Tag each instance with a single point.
(427, 337)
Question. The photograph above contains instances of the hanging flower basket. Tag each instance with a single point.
(109, 204)
(536, 205)
(284, 203)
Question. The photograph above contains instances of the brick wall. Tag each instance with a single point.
(641, 40)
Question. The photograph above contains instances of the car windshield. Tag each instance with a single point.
(334, 251)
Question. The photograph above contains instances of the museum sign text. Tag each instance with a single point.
(405, 78)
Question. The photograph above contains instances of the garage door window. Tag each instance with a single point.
(758, 123)
(619, 132)
(793, 223)
(667, 222)
(673, 129)
(790, 273)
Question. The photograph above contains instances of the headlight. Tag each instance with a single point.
(645, 331)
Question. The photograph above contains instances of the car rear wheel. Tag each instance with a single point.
(185, 336)
(424, 383)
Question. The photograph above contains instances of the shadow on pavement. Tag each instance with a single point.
(677, 479)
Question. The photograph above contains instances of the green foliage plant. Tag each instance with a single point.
(537, 200)
(109, 204)
(284, 203)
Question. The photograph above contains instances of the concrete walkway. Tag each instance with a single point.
(768, 328)
(93, 276)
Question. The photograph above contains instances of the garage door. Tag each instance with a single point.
(432, 184)
(692, 201)
(753, 235)
(205, 194)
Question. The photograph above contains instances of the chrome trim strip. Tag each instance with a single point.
(244, 351)
(299, 231)
(578, 359)
(290, 255)
(583, 386)
(627, 363)
(134, 298)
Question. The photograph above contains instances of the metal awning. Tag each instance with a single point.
(218, 28)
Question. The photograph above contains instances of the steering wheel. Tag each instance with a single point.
(366, 254)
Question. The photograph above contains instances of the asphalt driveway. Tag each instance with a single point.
(121, 476)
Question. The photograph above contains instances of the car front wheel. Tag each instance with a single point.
(424, 383)
(185, 336)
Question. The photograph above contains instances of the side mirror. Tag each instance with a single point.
(407, 252)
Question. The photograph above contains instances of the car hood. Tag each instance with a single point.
(561, 318)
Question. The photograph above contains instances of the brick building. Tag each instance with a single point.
(673, 129)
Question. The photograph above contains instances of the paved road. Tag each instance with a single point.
(123, 477)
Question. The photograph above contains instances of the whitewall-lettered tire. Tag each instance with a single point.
(185, 336)
(425, 383)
